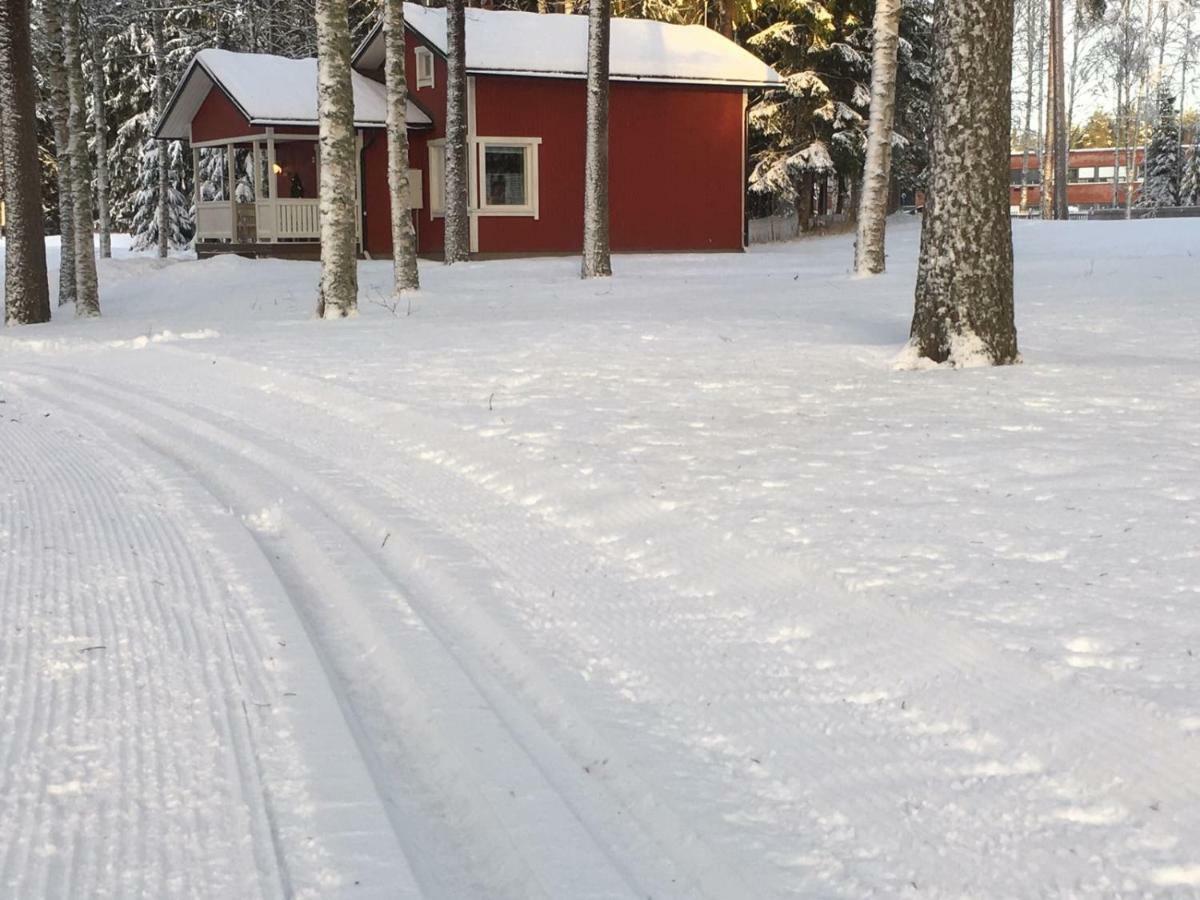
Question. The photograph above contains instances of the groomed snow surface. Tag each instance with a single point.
(667, 586)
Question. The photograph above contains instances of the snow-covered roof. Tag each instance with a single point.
(555, 45)
(268, 90)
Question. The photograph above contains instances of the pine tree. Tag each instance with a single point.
(457, 221)
(404, 238)
(1189, 188)
(1161, 184)
(964, 297)
(335, 109)
(597, 260)
(26, 293)
(870, 256)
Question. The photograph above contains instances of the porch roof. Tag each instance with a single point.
(269, 91)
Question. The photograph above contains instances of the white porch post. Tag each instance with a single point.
(272, 185)
(231, 185)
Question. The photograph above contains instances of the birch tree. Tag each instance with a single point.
(56, 80)
(457, 221)
(597, 260)
(164, 174)
(100, 124)
(870, 255)
(964, 297)
(26, 293)
(404, 238)
(87, 291)
(335, 110)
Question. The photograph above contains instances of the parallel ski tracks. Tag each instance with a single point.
(831, 789)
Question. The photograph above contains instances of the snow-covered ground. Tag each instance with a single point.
(665, 586)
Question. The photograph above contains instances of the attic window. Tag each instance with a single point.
(424, 59)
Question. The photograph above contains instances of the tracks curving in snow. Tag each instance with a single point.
(469, 608)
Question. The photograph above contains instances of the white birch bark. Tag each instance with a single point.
(964, 297)
(1030, 64)
(100, 124)
(457, 196)
(870, 251)
(87, 300)
(26, 293)
(338, 187)
(404, 238)
(56, 80)
(164, 176)
(597, 260)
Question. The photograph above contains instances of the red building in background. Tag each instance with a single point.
(1090, 178)
(677, 138)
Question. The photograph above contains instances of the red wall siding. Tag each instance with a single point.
(675, 164)
(217, 119)
(676, 167)
(554, 110)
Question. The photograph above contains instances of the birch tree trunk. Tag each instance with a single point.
(26, 292)
(457, 200)
(404, 238)
(87, 300)
(597, 260)
(164, 175)
(870, 251)
(100, 123)
(964, 296)
(335, 102)
(56, 80)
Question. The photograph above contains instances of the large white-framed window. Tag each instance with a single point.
(425, 70)
(502, 172)
(508, 176)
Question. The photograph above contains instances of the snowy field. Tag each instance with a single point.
(672, 586)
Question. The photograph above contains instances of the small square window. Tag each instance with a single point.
(424, 60)
(504, 176)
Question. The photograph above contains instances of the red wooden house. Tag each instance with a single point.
(677, 138)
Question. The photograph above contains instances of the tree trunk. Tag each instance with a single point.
(164, 175)
(597, 260)
(87, 300)
(877, 174)
(335, 105)
(1030, 64)
(457, 201)
(26, 292)
(964, 296)
(60, 113)
(101, 127)
(404, 238)
(1054, 176)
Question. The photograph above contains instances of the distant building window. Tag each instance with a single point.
(424, 67)
(508, 176)
(437, 178)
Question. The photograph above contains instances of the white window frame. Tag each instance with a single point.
(530, 146)
(437, 178)
(424, 60)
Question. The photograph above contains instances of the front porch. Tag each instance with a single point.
(259, 196)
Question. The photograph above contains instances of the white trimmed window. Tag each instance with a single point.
(437, 177)
(424, 58)
(508, 176)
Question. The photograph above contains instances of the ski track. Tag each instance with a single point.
(901, 771)
(142, 747)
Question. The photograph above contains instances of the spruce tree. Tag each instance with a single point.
(1189, 187)
(180, 216)
(1161, 184)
